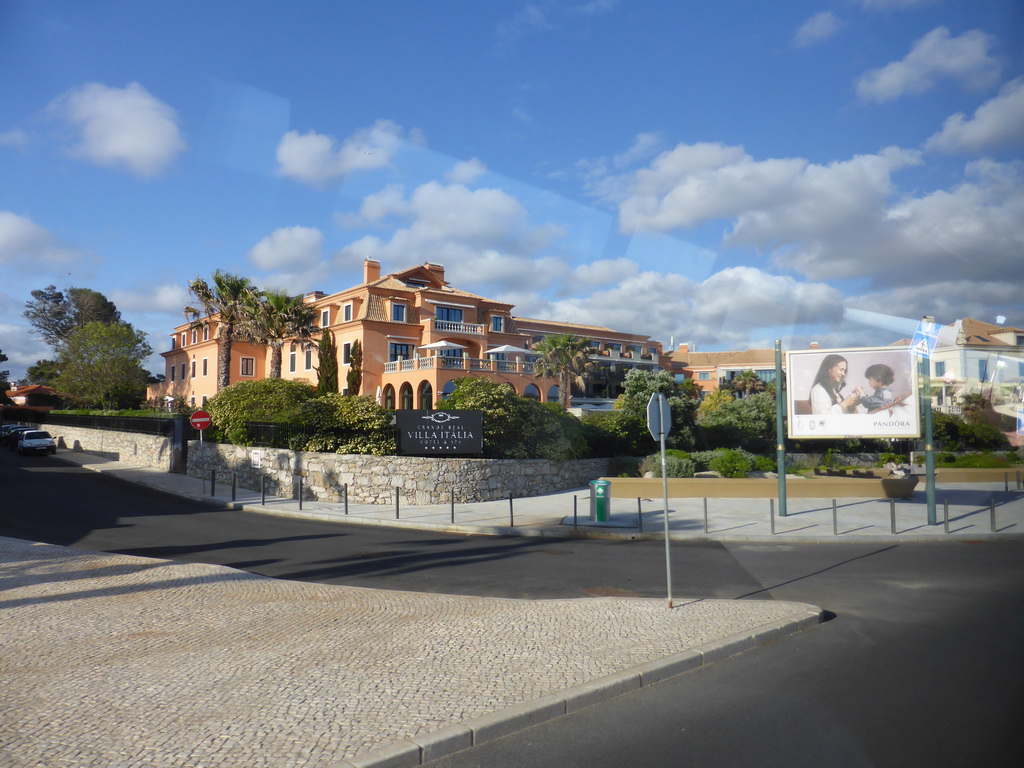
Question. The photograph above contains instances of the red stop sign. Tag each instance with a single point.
(200, 420)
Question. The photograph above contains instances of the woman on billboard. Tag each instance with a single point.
(826, 392)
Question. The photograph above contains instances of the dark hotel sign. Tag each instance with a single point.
(440, 433)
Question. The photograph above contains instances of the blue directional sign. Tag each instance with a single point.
(926, 337)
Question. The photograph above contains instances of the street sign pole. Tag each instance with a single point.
(780, 432)
(659, 422)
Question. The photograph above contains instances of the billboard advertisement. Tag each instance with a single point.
(864, 392)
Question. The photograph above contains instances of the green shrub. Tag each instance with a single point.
(624, 466)
(946, 458)
(891, 458)
(730, 463)
(339, 424)
(266, 400)
(764, 464)
(981, 461)
(675, 465)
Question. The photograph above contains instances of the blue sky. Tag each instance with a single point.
(723, 174)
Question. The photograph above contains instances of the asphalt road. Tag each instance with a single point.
(922, 664)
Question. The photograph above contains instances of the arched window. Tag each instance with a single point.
(553, 394)
(405, 396)
(389, 397)
(531, 392)
(447, 389)
(426, 396)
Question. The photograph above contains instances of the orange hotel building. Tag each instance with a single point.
(418, 334)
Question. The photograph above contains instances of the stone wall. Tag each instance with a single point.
(133, 448)
(373, 479)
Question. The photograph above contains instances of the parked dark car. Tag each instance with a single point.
(10, 438)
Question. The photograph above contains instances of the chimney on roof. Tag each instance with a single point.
(437, 269)
(685, 348)
(814, 345)
(371, 271)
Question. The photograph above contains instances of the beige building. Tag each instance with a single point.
(419, 335)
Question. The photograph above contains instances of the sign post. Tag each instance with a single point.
(659, 422)
(200, 420)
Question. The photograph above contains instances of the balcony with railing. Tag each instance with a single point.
(452, 326)
(443, 362)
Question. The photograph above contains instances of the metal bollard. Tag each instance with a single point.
(575, 505)
(511, 519)
(345, 486)
(234, 485)
(453, 506)
(1006, 481)
(300, 493)
(705, 517)
(771, 513)
(639, 515)
(892, 516)
(213, 481)
(263, 490)
(398, 493)
(835, 519)
(945, 515)
(992, 512)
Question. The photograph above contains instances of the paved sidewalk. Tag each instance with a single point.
(975, 510)
(110, 661)
(234, 670)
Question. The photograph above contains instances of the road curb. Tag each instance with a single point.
(423, 748)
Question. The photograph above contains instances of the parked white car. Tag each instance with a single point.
(36, 441)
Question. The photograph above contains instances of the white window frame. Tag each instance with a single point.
(206, 332)
(206, 366)
(184, 336)
(183, 369)
(346, 353)
(498, 324)
(348, 311)
(309, 359)
(174, 367)
(193, 370)
(399, 311)
(291, 362)
(251, 366)
(325, 318)
(195, 335)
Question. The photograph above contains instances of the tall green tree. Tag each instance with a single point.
(354, 377)
(4, 383)
(565, 358)
(44, 372)
(747, 382)
(327, 371)
(638, 387)
(55, 315)
(226, 296)
(101, 365)
(271, 318)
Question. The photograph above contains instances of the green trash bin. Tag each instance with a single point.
(600, 500)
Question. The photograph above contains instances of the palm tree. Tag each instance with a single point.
(225, 297)
(272, 317)
(747, 382)
(566, 358)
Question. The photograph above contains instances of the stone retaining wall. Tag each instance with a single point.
(374, 479)
(133, 448)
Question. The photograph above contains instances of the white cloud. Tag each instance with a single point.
(602, 272)
(315, 159)
(887, 5)
(24, 245)
(483, 236)
(818, 28)
(288, 247)
(125, 128)
(997, 124)
(170, 298)
(935, 56)
(14, 138)
(466, 171)
(946, 301)
(721, 310)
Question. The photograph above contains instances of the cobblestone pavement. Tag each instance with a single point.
(128, 662)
